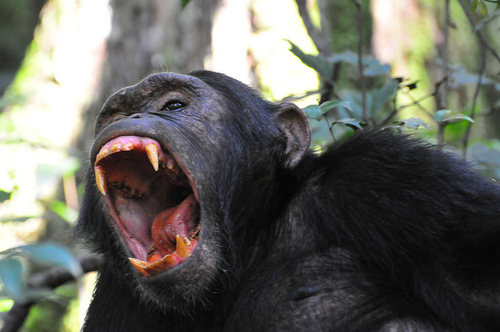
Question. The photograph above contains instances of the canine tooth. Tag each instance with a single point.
(103, 153)
(100, 179)
(139, 265)
(181, 247)
(152, 152)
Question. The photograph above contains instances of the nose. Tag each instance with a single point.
(136, 116)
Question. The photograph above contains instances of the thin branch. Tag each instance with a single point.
(483, 47)
(395, 110)
(360, 58)
(427, 96)
(442, 101)
(322, 42)
(474, 101)
(417, 102)
(478, 33)
(330, 128)
(441, 127)
(323, 45)
(487, 19)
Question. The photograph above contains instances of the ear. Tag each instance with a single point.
(293, 123)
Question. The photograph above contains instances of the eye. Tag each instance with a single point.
(173, 105)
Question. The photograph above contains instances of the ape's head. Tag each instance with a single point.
(184, 165)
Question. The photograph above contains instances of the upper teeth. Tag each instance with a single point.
(128, 144)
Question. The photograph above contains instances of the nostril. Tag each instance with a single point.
(135, 116)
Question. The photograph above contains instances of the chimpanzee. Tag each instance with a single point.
(213, 215)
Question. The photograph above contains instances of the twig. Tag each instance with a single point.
(474, 101)
(328, 85)
(323, 45)
(415, 102)
(442, 100)
(478, 33)
(392, 114)
(318, 37)
(360, 59)
(441, 127)
(50, 278)
(330, 128)
(487, 19)
(483, 46)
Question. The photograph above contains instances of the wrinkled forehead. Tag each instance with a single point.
(157, 85)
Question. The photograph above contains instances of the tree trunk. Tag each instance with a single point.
(148, 37)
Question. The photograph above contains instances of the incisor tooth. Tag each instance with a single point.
(170, 164)
(152, 152)
(100, 179)
(116, 147)
(128, 146)
(181, 247)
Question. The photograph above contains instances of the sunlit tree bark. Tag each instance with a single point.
(148, 37)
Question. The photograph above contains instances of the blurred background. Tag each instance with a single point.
(428, 66)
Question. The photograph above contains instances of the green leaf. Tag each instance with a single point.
(460, 76)
(413, 123)
(491, 16)
(475, 3)
(4, 196)
(352, 123)
(313, 112)
(447, 116)
(347, 56)
(458, 118)
(329, 105)
(317, 62)
(48, 254)
(371, 66)
(441, 115)
(185, 3)
(484, 9)
(11, 275)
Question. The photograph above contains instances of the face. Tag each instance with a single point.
(155, 142)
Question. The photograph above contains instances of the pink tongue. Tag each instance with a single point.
(175, 221)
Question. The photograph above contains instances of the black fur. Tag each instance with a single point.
(384, 233)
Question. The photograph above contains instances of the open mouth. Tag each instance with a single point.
(152, 201)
